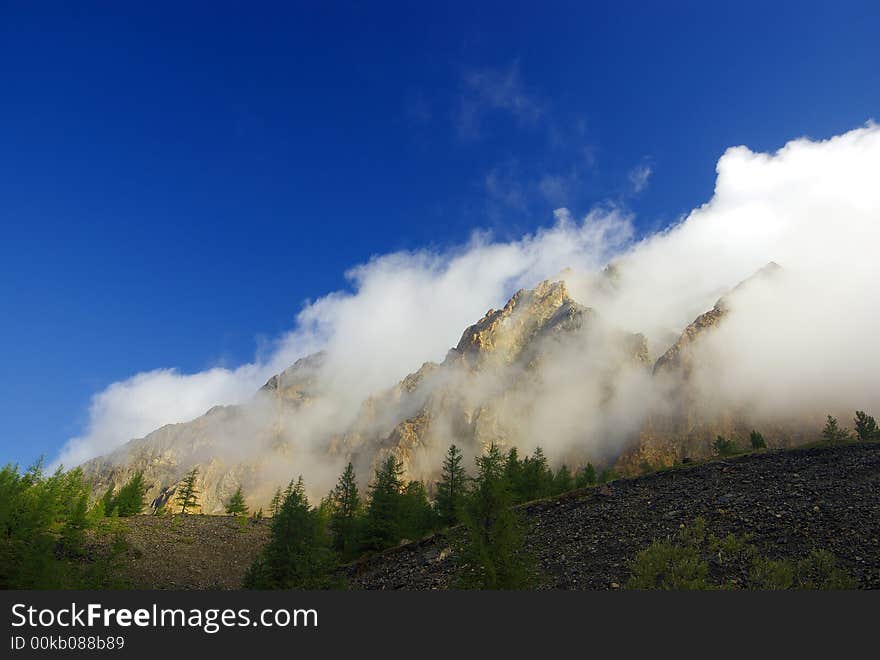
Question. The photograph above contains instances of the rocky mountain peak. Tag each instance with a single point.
(506, 331)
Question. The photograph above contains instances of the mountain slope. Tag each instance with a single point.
(790, 502)
(543, 370)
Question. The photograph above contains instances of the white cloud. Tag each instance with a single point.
(639, 176)
(495, 90)
(814, 207)
(134, 407)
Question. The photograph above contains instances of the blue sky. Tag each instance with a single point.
(176, 180)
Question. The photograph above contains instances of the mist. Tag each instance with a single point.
(800, 344)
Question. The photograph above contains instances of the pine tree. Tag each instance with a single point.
(345, 514)
(417, 517)
(833, 433)
(491, 554)
(606, 475)
(451, 488)
(866, 427)
(129, 500)
(586, 476)
(536, 478)
(237, 505)
(298, 554)
(107, 501)
(275, 505)
(384, 510)
(187, 494)
(563, 481)
(757, 440)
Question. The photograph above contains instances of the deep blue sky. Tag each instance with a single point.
(176, 179)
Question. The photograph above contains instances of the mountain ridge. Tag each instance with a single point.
(498, 384)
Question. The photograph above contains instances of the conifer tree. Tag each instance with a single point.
(384, 510)
(451, 488)
(298, 554)
(275, 505)
(757, 440)
(491, 554)
(866, 427)
(107, 501)
(586, 476)
(129, 501)
(563, 481)
(832, 432)
(417, 517)
(187, 494)
(236, 505)
(345, 513)
(42, 529)
(606, 475)
(536, 478)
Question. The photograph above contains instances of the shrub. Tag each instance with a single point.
(668, 566)
(724, 447)
(695, 560)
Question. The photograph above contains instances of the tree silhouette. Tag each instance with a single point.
(236, 505)
(866, 427)
(832, 432)
(451, 488)
(187, 494)
(491, 554)
(345, 512)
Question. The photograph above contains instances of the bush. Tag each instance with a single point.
(696, 560)
(668, 566)
(724, 447)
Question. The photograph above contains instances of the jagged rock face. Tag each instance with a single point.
(486, 389)
(688, 428)
(541, 368)
(504, 333)
(297, 384)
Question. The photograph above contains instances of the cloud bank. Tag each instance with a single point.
(809, 340)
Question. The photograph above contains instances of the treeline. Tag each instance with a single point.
(307, 541)
(864, 425)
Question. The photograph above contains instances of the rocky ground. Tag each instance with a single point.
(183, 552)
(789, 501)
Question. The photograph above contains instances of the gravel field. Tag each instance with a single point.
(188, 552)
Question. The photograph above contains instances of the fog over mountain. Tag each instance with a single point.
(569, 363)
